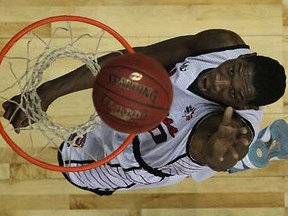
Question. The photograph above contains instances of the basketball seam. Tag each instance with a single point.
(132, 100)
(147, 74)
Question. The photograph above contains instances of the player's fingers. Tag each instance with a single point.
(225, 128)
(222, 152)
(233, 152)
(10, 106)
(227, 117)
(242, 131)
(8, 110)
(242, 141)
(18, 120)
(5, 105)
(22, 118)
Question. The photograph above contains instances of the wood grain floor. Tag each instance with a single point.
(26, 190)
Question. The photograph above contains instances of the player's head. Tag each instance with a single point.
(246, 82)
(269, 80)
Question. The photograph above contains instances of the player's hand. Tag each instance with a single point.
(223, 146)
(15, 114)
(12, 113)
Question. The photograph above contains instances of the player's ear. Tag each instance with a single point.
(247, 55)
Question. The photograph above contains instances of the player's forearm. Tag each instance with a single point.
(77, 80)
(167, 53)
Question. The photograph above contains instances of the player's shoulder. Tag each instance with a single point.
(220, 35)
(215, 39)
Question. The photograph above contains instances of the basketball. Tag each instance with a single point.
(132, 93)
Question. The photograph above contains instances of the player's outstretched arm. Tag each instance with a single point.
(168, 53)
(221, 140)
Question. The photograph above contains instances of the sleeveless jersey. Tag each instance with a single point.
(159, 157)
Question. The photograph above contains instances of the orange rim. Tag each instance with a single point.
(6, 137)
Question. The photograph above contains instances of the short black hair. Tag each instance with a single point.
(269, 80)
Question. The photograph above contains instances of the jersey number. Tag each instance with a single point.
(160, 137)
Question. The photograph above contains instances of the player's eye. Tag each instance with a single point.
(231, 71)
(233, 93)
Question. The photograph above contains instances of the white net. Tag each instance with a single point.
(43, 54)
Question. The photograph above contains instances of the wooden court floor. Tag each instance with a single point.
(26, 190)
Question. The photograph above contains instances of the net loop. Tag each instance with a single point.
(32, 101)
(26, 81)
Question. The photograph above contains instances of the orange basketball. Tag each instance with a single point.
(132, 93)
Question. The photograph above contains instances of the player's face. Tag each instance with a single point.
(231, 83)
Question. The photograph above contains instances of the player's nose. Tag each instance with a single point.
(221, 82)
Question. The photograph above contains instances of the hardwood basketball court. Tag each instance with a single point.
(26, 190)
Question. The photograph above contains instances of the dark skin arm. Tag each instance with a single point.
(168, 53)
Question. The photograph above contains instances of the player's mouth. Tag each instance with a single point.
(204, 81)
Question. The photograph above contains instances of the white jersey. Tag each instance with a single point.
(160, 157)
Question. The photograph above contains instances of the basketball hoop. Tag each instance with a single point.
(34, 64)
